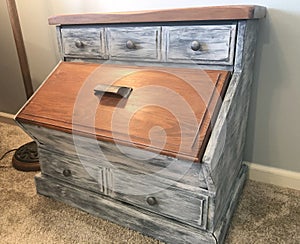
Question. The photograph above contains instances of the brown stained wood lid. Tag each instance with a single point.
(169, 110)
(230, 12)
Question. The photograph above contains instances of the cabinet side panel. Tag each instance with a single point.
(224, 154)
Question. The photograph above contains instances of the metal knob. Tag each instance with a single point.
(130, 44)
(151, 201)
(79, 44)
(195, 46)
(67, 173)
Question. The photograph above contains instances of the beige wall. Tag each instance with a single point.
(274, 131)
(12, 94)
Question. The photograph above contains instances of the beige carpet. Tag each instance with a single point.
(266, 214)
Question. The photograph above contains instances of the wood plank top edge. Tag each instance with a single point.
(229, 12)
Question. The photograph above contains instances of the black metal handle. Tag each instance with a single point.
(120, 91)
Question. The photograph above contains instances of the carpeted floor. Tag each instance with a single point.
(266, 214)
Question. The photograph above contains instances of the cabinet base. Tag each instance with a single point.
(149, 224)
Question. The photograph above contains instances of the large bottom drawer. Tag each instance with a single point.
(159, 227)
(168, 198)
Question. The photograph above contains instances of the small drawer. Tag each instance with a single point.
(71, 170)
(205, 44)
(134, 43)
(85, 42)
(162, 197)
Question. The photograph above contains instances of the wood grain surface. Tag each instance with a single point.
(91, 42)
(231, 12)
(216, 43)
(146, 43)
(170, 110)
(166, 122)
(85, 150)
(151, 44)
(148, 223)
(131, 187)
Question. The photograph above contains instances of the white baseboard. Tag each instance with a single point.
(275, 176)
(7, 118)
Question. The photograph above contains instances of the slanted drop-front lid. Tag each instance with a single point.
(165, 110)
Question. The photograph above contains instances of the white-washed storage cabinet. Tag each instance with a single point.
(109, 146)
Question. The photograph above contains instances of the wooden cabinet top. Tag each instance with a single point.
(230, 12)
(169, 110)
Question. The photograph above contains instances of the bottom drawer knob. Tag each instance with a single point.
(67, 173)
(151, 201)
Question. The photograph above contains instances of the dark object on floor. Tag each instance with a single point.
(26, 158)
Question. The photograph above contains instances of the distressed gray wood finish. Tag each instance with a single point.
(56, 165)
(191, 65)
(143, 221)
(222, 226)
(145, 40)
(59, 42)
(159, 227)
(225, 149)
(195, 201)
(216, 44)
(170, 44)
(180, 202)
(184, 204)
(89, 150)
(91, 41)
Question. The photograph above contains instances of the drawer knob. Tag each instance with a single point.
(79, 44)
(130, 44)
(151, 201)
(67, 173)
(195, 46)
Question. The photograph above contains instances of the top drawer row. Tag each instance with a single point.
(201, 44)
